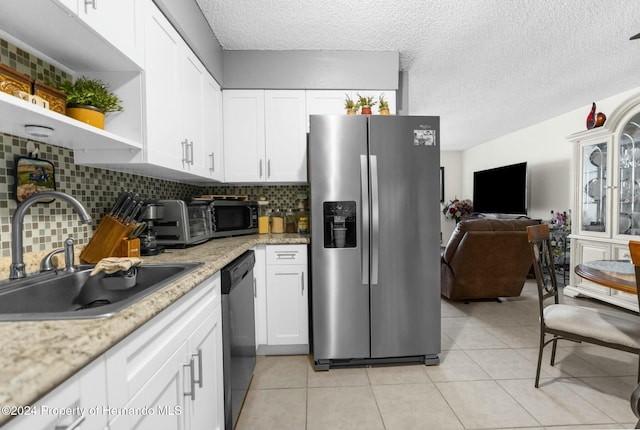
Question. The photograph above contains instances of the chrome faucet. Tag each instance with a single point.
(17, 270)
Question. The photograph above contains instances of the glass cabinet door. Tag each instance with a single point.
(629, 177)
(594, 183)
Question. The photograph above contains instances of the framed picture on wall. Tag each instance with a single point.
(33, 175)
(442, 184)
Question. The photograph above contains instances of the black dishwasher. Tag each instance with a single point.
(238, 334)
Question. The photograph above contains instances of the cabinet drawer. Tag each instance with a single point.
(286, 254)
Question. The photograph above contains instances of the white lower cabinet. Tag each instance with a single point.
(166, 375)
(76, 404)
(282, 296)
(172, 367)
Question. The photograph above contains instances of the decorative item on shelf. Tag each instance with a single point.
(594, 119)
(56, 98)
(12, 81)
(365, 103)
(383, 105)
(88, 100)
(30, 98)
(458, 209)
(350, 105)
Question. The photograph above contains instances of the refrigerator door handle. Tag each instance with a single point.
(375, 220)
(364, 232)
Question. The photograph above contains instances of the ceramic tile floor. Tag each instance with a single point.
(484, 381)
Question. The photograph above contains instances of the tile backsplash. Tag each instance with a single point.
(48, 225)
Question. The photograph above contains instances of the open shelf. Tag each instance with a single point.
(15, 113)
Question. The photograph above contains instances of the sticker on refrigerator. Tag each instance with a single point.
(424, 137)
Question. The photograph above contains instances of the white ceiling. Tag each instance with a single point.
(486, 68)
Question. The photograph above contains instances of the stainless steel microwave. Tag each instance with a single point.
(233, 217)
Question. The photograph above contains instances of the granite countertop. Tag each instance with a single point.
(39, 355)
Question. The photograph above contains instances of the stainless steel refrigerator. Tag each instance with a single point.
(375, 239)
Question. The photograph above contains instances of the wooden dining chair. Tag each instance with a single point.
(605, 327)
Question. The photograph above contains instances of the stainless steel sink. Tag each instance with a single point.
(76, 295)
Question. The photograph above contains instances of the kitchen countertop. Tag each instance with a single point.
(37, 356)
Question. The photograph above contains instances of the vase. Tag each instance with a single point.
(384, 111)
(351, 112)
(366, 110)
(87, 114)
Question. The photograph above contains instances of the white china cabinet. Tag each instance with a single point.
(607, 198)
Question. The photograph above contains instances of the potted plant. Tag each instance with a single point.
(89, 99)
(365, 104)
(383, 105)
(350, 105)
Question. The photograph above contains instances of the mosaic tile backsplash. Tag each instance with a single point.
(48, 225)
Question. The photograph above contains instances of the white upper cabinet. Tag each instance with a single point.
(164, 144)
(264, 136)
(116, 22)
(180, 111)
(285, 136)
(212, 128)
(243, 113)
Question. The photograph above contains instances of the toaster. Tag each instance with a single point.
(183, 224)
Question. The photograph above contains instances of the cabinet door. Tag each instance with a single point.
(626, 201)
(244, 157)
(260, 279)
(286, 137)
(206, 409)
(192, 81)
(102, 16)
(212, 129)
(594, 210)
(163, 50)
(164, 394)
(287, 307)
(591, 251)
(85, 391)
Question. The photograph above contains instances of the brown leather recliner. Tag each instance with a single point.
(486, 258)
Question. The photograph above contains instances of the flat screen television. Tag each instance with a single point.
(501, 190)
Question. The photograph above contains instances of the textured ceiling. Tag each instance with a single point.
(486, 68)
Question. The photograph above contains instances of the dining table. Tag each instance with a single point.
(619, 275)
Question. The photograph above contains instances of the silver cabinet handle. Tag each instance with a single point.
(255, 288)
(184, 144)
(286, 255)
(364, 195)
(213, 163)
(92, 3)
(260, 167)
(375, 220)
(302, 283)
(192, 383)
(191, 153)
(269, 168)
(199, 356)
(73, 425)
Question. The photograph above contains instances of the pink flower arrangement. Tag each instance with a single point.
(458, 209)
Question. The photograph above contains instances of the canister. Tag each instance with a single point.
(263, 221)
(290, 221)
(277, 222)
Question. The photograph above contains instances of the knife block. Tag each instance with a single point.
(107, 240)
